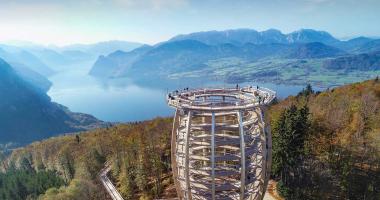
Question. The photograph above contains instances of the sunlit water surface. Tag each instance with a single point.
(121, 100)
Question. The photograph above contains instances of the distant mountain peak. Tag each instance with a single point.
(242, 36)
(360, 38)
(187, 42)
(234, 36)
(26, 58)
(271, 30)
(104, 48)
(116, 53)
(310, 35)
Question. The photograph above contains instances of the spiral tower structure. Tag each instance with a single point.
(221, 145)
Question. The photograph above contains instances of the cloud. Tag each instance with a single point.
(90, 4)
(150, 4)
(66, 21)
(319, 1)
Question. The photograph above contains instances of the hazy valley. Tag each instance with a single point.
(125, 82)
(123, 74)
(243, 55)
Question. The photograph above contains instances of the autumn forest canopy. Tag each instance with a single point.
(326, 145)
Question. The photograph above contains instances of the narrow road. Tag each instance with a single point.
(111, 189)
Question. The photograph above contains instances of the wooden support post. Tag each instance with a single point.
(242, 153)
(187, 171)
(213, 154)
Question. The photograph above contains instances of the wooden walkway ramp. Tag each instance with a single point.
(111, 189)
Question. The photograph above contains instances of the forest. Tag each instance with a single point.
(20, 184)
(326, 145)
(139, 153)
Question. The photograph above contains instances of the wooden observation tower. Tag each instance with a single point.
(221, 145)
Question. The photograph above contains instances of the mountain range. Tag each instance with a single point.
(234, 56)
(102, 48)
(28, 114)
(46, 60)
(198, 54)
(242, 36)
(25, 58)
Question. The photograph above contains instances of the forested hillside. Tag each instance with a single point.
(24, 184)
(334, 151)
(139, 153)
(326, 146)
(28, 113)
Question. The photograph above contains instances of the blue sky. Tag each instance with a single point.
(151, 21)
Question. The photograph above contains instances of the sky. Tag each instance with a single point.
(63, 22)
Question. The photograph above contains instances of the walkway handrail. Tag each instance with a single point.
(189, 99)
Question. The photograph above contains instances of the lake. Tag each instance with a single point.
(121, 100)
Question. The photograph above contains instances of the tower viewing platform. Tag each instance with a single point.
(221, 145)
